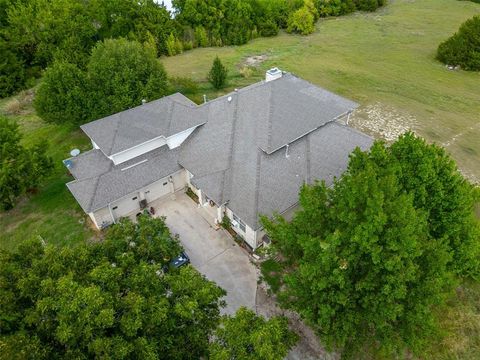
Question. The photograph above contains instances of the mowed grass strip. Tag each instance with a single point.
(386, 58)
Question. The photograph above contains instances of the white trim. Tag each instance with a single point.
(138, 145)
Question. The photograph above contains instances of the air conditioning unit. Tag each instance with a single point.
(235, 223)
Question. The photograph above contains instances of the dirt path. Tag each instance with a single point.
(308, 346)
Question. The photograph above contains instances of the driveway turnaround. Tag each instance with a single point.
(212, 252)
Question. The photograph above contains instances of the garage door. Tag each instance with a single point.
(157, 190)
(125, 206)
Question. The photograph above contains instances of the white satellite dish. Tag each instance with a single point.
(75, 152)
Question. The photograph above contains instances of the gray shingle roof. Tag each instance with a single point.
(235, 156)
(163, 117)
(97, 191)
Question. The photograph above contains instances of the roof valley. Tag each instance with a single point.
(228, 174)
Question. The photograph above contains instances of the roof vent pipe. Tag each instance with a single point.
(204, 98)
(229, 99)
(286, 151)
(144, 101)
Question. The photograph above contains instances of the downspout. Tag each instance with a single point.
(111, 213)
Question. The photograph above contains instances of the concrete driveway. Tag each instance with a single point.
(212, 252)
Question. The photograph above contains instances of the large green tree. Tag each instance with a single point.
(106, 300)
(119, 75)
(21, 168)
(63, 95)
(372, 256)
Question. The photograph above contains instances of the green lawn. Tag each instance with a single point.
(384, 61)
(52, 213)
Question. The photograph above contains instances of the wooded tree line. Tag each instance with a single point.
(369, 260)
(35, 33)
(113, 300)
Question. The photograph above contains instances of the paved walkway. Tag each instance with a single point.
(212, 252)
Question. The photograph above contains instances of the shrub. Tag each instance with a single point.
(201, 36)
(21, 168)
(184, 85)
(246, 72)
(218, 74)
(463, 48)
(226, 222)
(301, 21)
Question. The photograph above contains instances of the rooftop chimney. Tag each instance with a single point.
(273, 74)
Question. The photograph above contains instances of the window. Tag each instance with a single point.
(165, 183)
(115, 208)
(135, 198)
(241, 224)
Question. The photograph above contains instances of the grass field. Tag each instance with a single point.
(385, 62)
(52, 213)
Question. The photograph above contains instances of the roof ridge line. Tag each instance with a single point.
(170, 116)
(95, 193)
(270, 113)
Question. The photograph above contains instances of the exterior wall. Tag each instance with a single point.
(126, 205)
(177, 139)
(179, 180)
(138, 150)
(101, 216)
(197, 192)
(249, 235)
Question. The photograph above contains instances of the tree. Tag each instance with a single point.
(106, 300)
(248, 336)
(463, 48)
(21, 168)
(63, 95)
(218, 74)
(301, 21)
(372, 256)
(12, 73)
(120, 73)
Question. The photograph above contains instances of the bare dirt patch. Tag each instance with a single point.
(382, 121)
(255, 60)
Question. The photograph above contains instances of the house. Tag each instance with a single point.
(244, 154)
